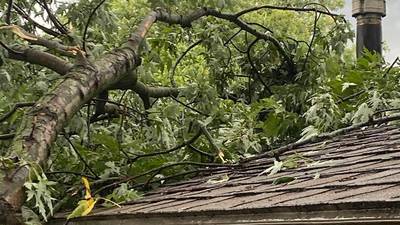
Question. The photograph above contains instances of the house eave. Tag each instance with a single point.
(346, 213)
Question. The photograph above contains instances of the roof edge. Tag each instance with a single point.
(342, 213)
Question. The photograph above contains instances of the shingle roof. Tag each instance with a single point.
(357, 171)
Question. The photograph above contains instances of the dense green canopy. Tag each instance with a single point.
(131, 105)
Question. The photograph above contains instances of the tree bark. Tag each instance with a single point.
(83, 81)
(50, 114)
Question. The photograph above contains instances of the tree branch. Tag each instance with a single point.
(8, 12)
(38, 57)
(185, 143)
(24, 15)
(87, 24)
(186, 21)
(60, 27)
(127, 179)
(180, 58)
(14, 108)
(7, 136)
(40, 126)
(241, 13)
(80, 157)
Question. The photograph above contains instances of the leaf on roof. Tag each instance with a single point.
(273, 169)
(86, 205)
(221, 179)
(283, 180)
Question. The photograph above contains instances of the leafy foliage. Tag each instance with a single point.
(234, 86)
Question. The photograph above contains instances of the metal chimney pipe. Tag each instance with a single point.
(369, 15)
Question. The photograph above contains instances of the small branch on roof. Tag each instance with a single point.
(184, 144)
(165, 179)
(130, 178)
(210, 139)
(385, 110)
(283, 149)
(210, 156)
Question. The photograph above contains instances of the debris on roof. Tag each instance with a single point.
(348, 177)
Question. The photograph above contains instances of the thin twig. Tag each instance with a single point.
(60, 27)
(255, 68)
(7, 136)
(8, 12)
(165, 179)
(232, 37)
(87, 24)
(351, 96)
(189, 107)
(286, 9)
(25, 15)
(210, 156)
(185, 143)
(14, 109)
(210, 139)
(10, 50)
(316, 18)
(80, 156)
(390, 67)
(180, 58)
(127, 179)
(73, 173)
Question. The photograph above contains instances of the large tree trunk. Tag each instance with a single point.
(50, 114)
(81, 83)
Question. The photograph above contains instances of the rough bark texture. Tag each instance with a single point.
(81, 83)
(49, 115)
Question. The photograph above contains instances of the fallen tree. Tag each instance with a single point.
(91, 78)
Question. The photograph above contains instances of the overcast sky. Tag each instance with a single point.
(390, 26)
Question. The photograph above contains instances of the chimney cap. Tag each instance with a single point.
(361, 7)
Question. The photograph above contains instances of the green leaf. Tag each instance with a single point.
(283, 180)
